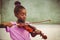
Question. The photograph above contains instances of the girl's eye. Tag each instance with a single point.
(23, 14)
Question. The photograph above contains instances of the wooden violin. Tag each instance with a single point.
(30, 28)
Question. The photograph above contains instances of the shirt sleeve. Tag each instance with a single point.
(7, 29)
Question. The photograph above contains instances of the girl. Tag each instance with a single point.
(20, 30)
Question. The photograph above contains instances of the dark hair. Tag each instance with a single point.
(18, 6)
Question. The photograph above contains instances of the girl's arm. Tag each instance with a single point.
(4, 25)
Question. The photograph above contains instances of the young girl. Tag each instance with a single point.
(20, 30)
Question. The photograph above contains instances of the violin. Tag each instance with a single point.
(32, 29)
(29, 28)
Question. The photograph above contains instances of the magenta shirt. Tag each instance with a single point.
(18, 33)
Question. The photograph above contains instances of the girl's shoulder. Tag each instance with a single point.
(13, 22)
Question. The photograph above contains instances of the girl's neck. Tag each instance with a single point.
(20, 21)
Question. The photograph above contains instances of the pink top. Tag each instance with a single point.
(18, 33)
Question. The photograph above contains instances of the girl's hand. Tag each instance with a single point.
(7, 24)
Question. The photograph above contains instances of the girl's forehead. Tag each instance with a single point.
(22, 10)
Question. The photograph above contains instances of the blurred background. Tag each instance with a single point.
(37, 11)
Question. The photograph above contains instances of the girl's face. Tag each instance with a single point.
(21, 14)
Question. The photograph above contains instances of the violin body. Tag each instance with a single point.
(29, 28)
